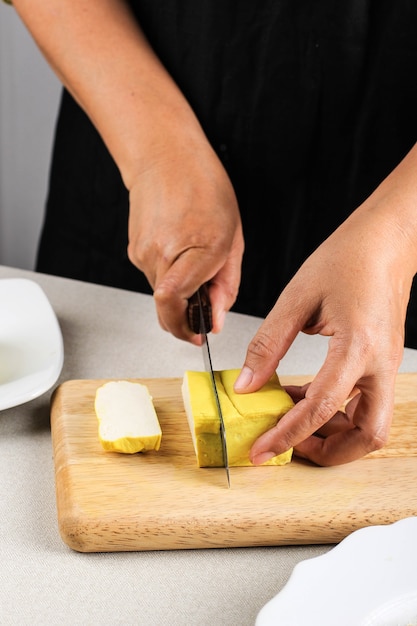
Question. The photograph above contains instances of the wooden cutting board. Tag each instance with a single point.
(162, 500)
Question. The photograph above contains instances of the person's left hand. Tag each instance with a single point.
(354, 288)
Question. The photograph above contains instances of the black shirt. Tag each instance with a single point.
(308, 103)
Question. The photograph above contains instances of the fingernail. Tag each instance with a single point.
(263, 457)
(244, 379)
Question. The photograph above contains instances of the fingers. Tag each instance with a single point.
(350, 438)
(186, 275)
(342, 420)
(171, 300)
(224, 286)
(323, 434)
(266, 349)
(315, 427)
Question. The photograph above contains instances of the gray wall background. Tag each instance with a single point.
(29, 96)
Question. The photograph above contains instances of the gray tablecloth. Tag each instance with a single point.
(112, 333)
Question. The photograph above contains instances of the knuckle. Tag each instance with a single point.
(262, 347)
(165, 293)
(374, 439)
(322, 411)
(286, 442)
(379, 440)
(137, 254)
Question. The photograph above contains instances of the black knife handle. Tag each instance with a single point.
(200, 301)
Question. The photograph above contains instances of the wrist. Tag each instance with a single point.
(392, 208)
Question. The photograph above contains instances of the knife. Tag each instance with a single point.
(200, 322)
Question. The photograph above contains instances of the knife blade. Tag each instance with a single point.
(200, 322)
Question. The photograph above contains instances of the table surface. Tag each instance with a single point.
(110, 333)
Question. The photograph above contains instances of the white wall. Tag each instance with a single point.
(29, 96)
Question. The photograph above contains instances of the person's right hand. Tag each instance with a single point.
(185, 230)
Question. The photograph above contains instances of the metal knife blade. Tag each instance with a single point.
(200, 322)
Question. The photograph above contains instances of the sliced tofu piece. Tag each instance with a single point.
(246, 417)
(127, 421)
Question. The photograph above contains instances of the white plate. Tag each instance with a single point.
(31, 346)
(369, 579)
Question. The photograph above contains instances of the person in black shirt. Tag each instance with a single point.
(266, 149)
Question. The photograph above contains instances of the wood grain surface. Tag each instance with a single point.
(162, 501)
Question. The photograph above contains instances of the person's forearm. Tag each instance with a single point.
(394, 205)
(100, 54)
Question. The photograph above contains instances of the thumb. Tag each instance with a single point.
(291, 313)
(265, 351)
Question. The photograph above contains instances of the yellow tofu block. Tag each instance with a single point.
(246, 417)
(127, 421)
